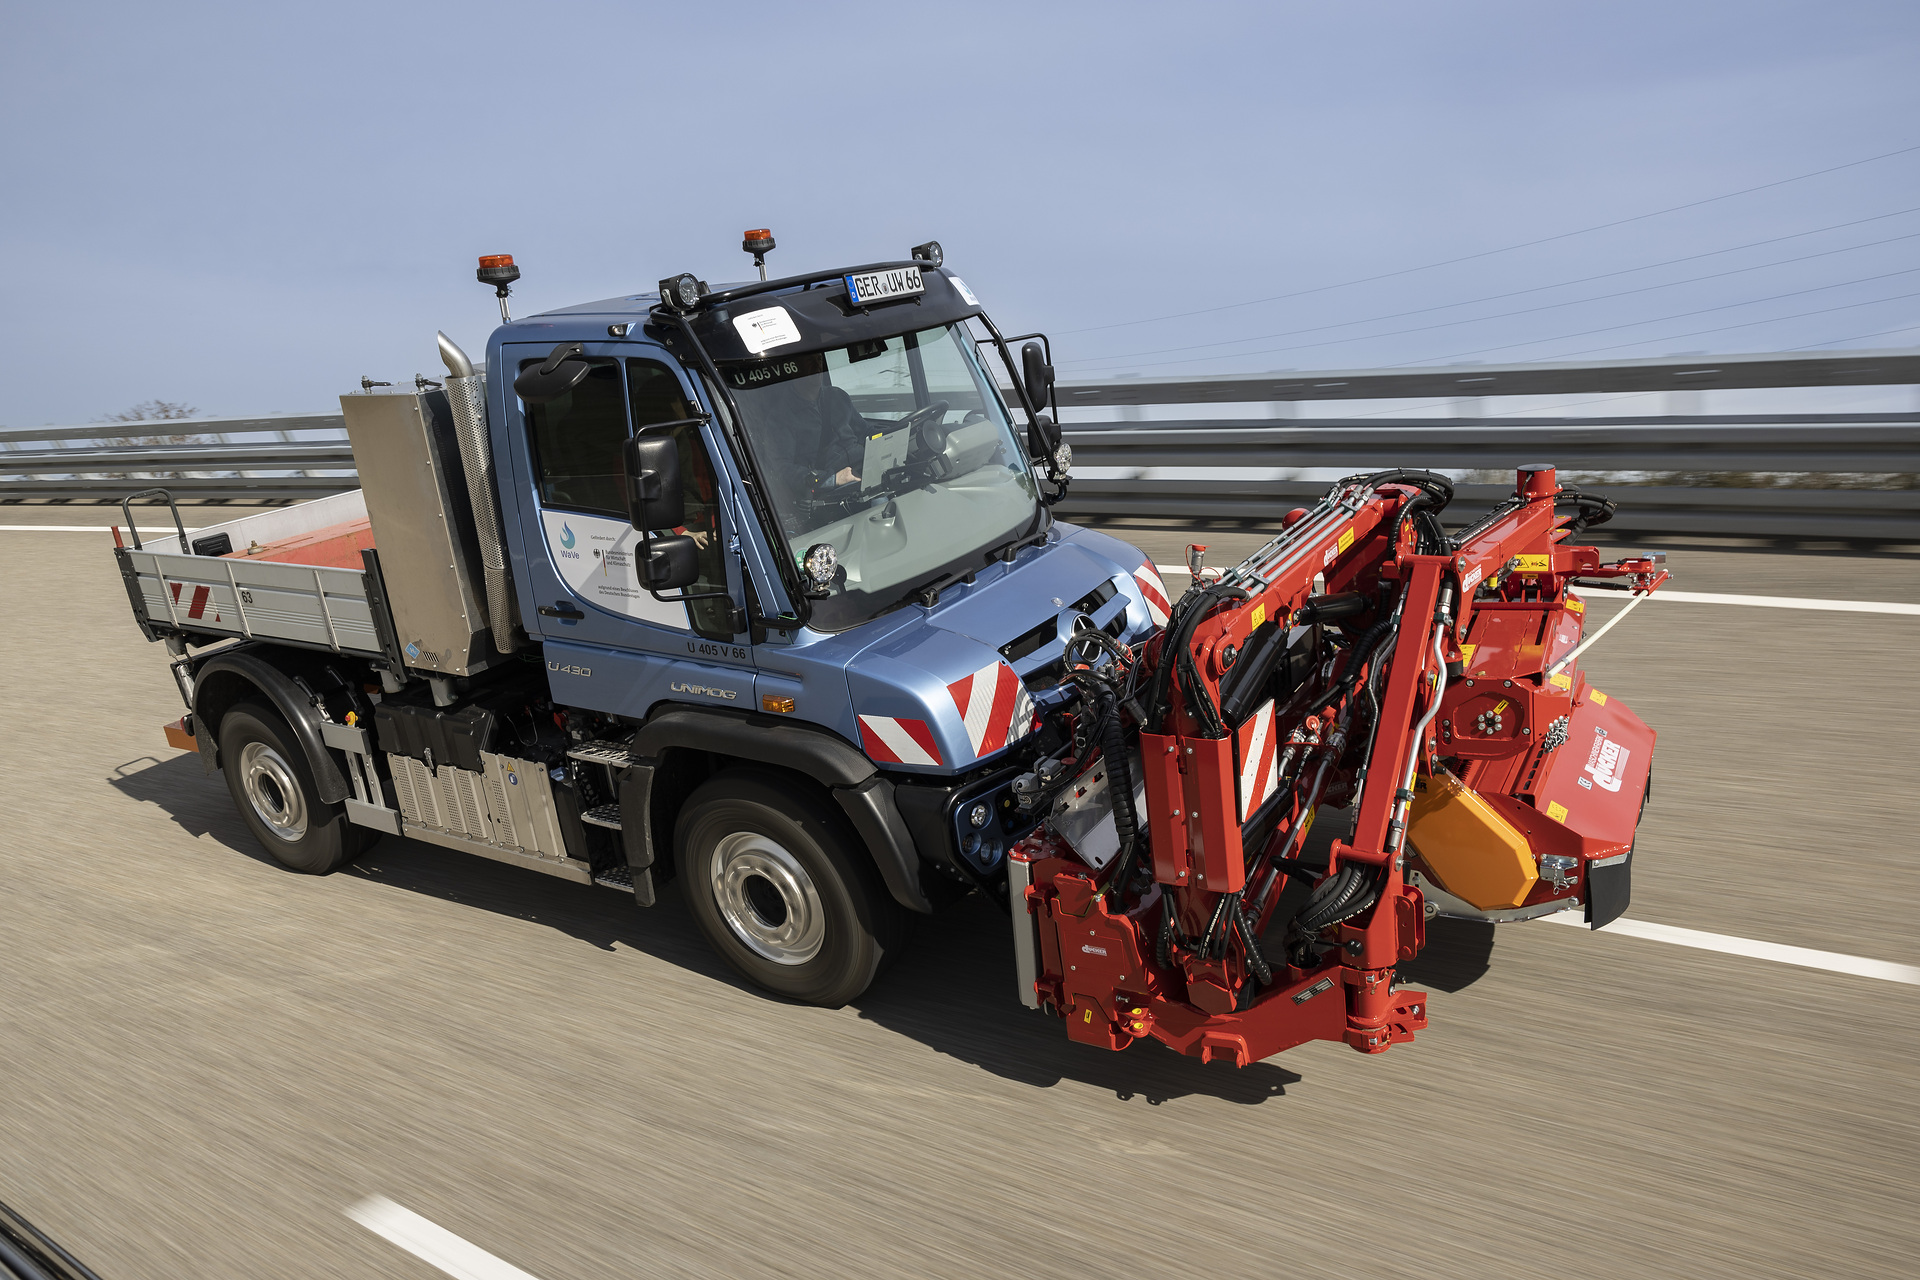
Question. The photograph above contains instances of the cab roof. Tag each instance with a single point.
(817, 303)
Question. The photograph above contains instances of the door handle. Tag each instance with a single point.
(561, 610)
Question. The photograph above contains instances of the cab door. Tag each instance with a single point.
(610, 644)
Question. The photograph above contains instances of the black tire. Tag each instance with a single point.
(272, 786)
(750, 844)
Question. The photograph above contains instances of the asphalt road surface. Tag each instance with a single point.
(205, 1060)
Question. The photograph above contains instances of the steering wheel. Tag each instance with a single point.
(928, 432)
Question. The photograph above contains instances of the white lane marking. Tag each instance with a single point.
(1713, 597)
(431, 1243)
(1767, 602)
(78, 528)
(1806, 957)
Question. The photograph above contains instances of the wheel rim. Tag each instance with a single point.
(273, 791)
(767, 898)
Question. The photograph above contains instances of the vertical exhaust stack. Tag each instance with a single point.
(467, 396)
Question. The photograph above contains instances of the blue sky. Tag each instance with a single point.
(246, 207)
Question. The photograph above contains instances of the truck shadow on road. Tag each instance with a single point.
(197, 802)
(952, 990)
(1457, 955)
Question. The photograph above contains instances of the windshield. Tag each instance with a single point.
(895, 451)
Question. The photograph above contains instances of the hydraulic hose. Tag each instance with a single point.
(1256, 958)
(1334, 745)
(1341, 896)
(1443, 619)
(1175, 648)
(1113, 745)
(1361, 651)
(1431, 481)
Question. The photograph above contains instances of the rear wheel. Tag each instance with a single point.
(272, 785)
(783, 889)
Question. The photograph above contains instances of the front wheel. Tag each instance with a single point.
(273, 788)
(783, 889)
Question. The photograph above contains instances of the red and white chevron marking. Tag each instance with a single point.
(198, 608)
(995, 707)
(1258, 745)
(1147, 577)
(888, 740)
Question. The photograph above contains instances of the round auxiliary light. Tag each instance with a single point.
(1062, 458)
(928, 252)
(821, 562)
(681, 292)
(978, 817)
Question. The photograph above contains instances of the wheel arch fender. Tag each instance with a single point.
(227, 678)
(857, 787)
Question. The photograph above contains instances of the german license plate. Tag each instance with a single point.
(880, 286)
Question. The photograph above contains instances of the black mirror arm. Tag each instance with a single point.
(559, 355)
(1013, 374)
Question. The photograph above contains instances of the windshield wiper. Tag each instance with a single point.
(928, 593)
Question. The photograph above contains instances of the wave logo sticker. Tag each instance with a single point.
(1606, 762)
(566, 536)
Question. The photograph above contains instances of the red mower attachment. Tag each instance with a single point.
(1364, 659)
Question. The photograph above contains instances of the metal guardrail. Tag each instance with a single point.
(1691, 373)
(1224, 470)
(1186, 470)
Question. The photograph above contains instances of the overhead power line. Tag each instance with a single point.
(1675, 337)
(1488, 253)
(1583, 333)
(1858, 337)
(1501, 315)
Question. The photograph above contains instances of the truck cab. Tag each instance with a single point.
(751, 587)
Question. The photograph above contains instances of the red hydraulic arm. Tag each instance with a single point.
(1362, 659)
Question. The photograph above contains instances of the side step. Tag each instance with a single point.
(615, 878)
(606, 815)
(627, 880)
(596, 752)
(639, 884)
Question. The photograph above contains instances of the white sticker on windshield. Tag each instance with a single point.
(960, 287)
(765, 330)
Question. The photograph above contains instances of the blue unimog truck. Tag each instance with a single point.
(752, 586)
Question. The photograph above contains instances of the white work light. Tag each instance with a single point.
(821, 563)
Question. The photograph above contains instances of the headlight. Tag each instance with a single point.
(1062, 458)
(978, 818)
(821, 562)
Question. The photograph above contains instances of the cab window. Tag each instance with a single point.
(577, 441)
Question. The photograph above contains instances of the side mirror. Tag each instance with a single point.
(562, 371)
(1043, 438)
(670, 562)
(654, 500)
(1037, 374)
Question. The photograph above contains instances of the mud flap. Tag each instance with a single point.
(1609, 887)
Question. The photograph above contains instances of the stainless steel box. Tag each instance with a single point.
(409, 461)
